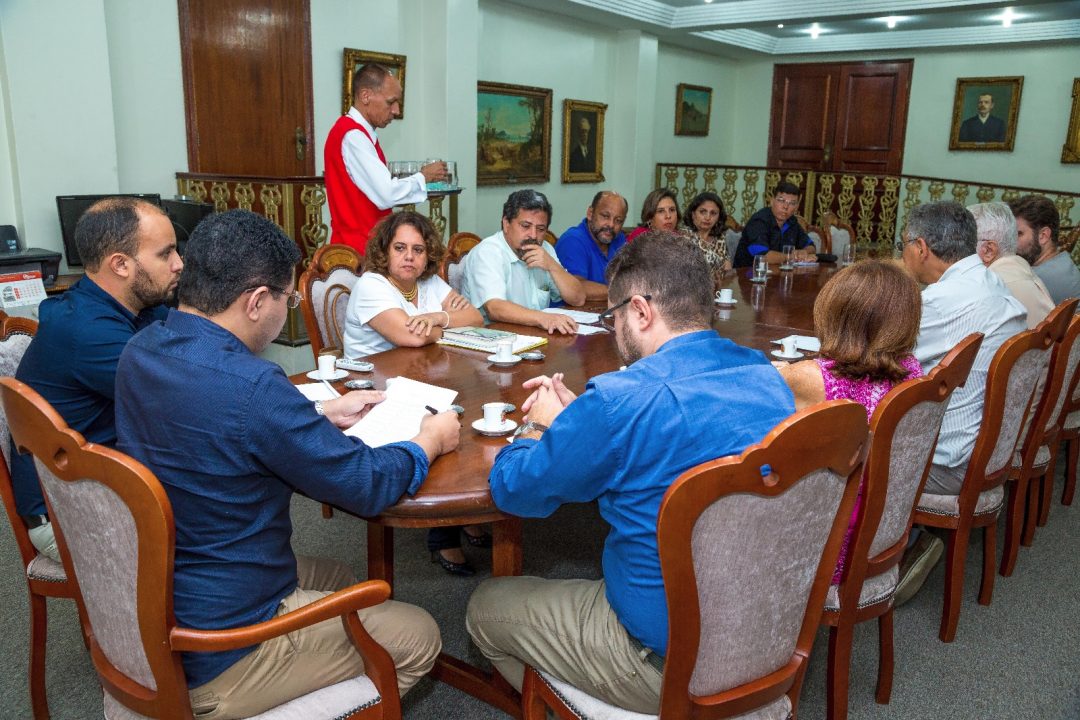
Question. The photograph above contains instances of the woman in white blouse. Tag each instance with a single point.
(400, 301)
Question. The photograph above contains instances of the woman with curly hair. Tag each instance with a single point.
(706, 220)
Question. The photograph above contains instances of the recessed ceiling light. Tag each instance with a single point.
(708, 1)
(891, 21)
(815, 30)
(1006, 17)
(780, 25)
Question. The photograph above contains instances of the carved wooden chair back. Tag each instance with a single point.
(326, 286)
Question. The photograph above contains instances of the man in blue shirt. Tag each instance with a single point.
(129, 250)
(585, 249)
(771, 228)
(681, 401)
(232, 440)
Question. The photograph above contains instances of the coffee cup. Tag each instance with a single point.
(787, 346)
(493, 415)
(504, 350)
(326, 367)
(724, 295)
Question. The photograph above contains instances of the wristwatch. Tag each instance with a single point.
(530, 427)
(319, 408)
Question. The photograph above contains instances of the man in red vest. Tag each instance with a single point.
(359, 187)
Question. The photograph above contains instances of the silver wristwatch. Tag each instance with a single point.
(319, 408)
(529, 427)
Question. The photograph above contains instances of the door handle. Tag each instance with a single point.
(301, 143)
(827, 158)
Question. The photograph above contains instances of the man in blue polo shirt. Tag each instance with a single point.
(622, 443)
(129, 250)
(586, 249)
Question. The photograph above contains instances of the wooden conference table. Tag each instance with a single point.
(456, 491)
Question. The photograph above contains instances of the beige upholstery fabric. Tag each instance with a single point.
(101, 538)
(989, 501)
(329, 703)
(11, 352)
(1042, 458)
(840, 240)
(819, 242)
(1070, 369)
(1073, 420)
(755, 559)
(1022, 379)
(874, 589)
(731, 238)
(587, 707)
(454, 273)
(47, 569)
(330, 301)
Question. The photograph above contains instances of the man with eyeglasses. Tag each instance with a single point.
(231, 440)
(128, 248)
(771, 228)
(682, 400)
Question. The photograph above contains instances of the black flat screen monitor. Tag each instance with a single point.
(185, 216)
(72, 207)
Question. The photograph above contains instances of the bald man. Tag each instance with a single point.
(585, 249)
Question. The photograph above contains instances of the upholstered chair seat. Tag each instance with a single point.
(1042, 459)
(45, 569)
(874, 590)
(990, 501)
(1072, 422)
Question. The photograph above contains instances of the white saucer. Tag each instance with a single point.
(780, 354)
(508, 426)
(759, 282)
(338, 375)
(494, 360)
(727, 303)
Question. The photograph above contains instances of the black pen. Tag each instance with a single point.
(431, 410)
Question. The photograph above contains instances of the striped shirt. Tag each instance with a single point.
(967, 298)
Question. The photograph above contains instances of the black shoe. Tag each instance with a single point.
(464, 569)
(483, 540)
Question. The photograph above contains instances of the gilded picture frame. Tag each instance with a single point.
(583, 141)
(1070, 151)
(984, 113)
(513, 134)
(353, 60)
(693, 108)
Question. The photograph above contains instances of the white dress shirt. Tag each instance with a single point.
(373, 177)
(967, 298)
(494, 271)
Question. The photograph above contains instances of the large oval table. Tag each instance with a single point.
(456, 491)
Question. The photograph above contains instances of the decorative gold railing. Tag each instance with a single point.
(876, 206)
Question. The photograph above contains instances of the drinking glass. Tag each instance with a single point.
(761, 268)
(789, 257)
(848, 255)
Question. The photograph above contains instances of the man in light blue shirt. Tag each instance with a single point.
(622, 443)
(513, 275)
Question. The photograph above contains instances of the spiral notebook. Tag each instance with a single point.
(487, 339)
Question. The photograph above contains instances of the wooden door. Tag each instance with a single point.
(846, 117)
(247, 86)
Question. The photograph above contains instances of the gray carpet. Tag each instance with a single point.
(1017, 658)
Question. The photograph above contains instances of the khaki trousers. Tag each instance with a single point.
(315, 657)
(567, 629)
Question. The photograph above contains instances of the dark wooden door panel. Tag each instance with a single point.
(872, 117)
(247, 86)
(803, 115)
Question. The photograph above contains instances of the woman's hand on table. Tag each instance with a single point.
(347, 410)
(454, 301)
(424, 323)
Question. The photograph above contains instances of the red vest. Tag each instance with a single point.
(352, 214)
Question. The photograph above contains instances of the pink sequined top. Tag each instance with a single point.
(869, 394)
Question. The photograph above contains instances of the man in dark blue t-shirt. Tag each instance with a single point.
(129, 250)
(771, 228)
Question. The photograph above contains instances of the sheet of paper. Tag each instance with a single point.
(589, 329)
(805, 263)
(803, 342)
(398, 417)
(579, 315)
(316, 391)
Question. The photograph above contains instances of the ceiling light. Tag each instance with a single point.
(815, 30)
(780, 25)
(1006, 17)
(891, 21)
(708, 1)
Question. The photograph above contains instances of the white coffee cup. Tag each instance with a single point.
(493, 415)
(724, 295)
(504, 350)
(787, 346)
(326, 366)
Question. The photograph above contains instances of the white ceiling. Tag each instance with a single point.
(741, 27)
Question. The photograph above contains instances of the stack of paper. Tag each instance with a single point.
(580, 316)
(398, 417)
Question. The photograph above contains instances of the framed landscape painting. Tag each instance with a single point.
(583, 141)
(693, 103)
(513, 134)
(354, 59)
(1070, 151)
(984, 113)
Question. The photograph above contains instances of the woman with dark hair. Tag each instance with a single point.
(660, 211)
(706, 220)
(401, 301)
(867, 318)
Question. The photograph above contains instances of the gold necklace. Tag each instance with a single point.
(409, 296)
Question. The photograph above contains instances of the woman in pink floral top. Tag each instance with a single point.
(867, 317)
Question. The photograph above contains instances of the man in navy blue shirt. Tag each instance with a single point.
(129, 250)
(586, 249)
(771, 228)
(681, 401)
(232, 440)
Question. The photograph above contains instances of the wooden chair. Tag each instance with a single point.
(1011, 379)
(326, 286)
(460, 244)
(44, 577)
(1033, 461)
(840, 233)
(818, 236)
(732, 235)
(114, 527)
(747, 545)
(904, 429)
(1070, 436)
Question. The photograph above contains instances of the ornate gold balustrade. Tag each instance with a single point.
(876, 206)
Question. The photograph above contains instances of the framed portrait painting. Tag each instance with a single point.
(1070, 151)
(513, 134)
(354, 59)
(984, 113)
(693, 104)
(583, 141)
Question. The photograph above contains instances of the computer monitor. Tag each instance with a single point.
(72, 207)
(185, 215)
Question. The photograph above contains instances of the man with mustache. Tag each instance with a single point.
(585, 249)
(129, 250)
(513, 275)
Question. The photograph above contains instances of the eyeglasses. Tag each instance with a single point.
(902, 243)
(607, 318)
(786, 203)
(292, 300)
